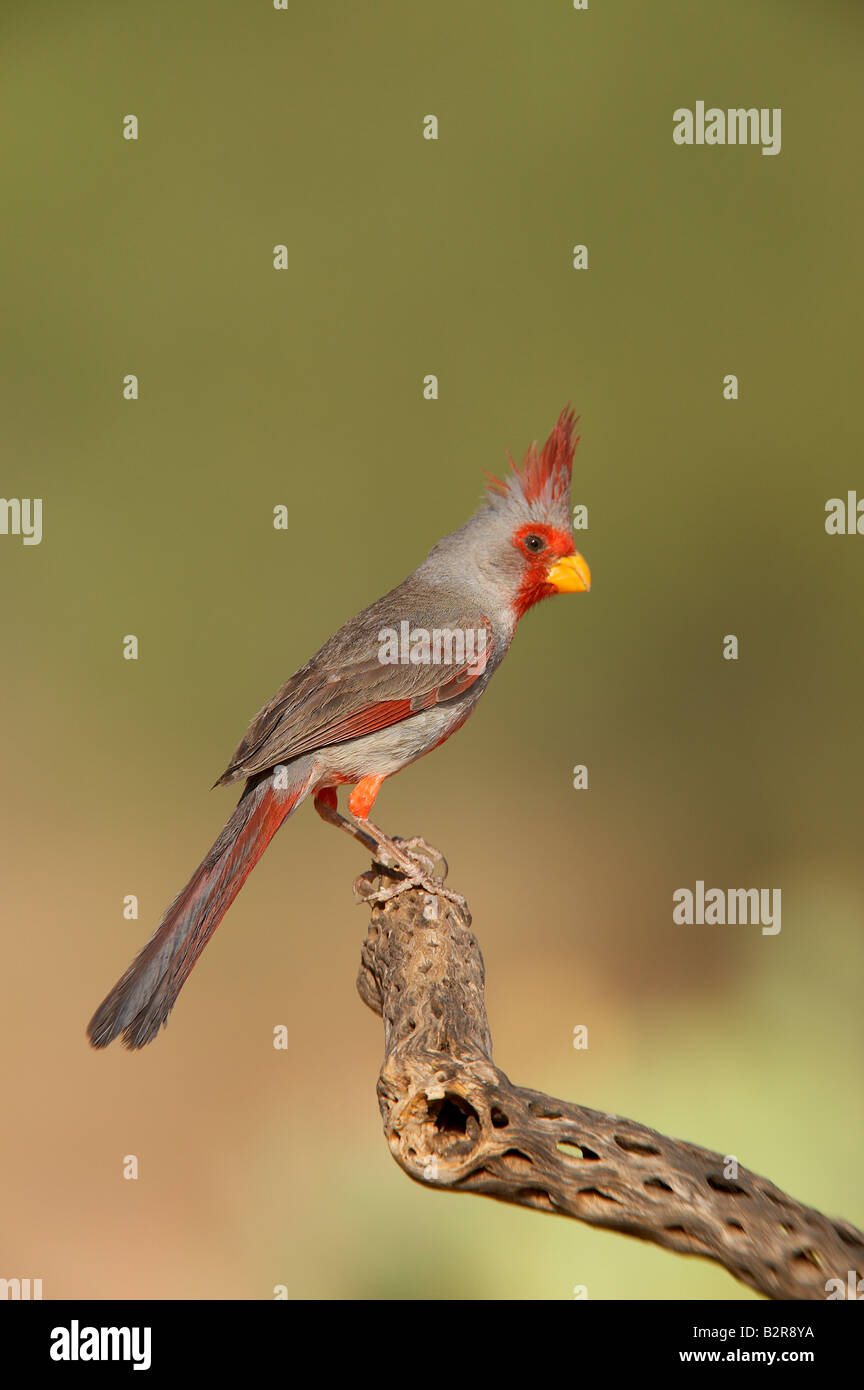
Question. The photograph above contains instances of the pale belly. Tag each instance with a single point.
(387, 750)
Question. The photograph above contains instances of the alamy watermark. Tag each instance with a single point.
(464, 647)
(18, 1289)
(736, 126)
(21, 516)
(720, 907)
(77, 1343)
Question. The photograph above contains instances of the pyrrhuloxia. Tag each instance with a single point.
(377, 696)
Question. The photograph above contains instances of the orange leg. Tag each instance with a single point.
(326, 803)
(362, 799)
(360, 803)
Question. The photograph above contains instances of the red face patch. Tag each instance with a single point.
(540, 546)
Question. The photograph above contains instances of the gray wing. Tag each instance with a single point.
(346, 690)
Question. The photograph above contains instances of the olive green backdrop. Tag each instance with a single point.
(304, 387)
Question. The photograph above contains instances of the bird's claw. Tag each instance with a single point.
(415, 870)
(433, 886)
(427, 855)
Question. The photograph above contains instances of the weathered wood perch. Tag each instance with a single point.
(453, 1120)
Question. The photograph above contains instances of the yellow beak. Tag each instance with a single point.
(570, 575)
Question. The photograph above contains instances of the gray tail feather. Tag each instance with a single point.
(140, 1002)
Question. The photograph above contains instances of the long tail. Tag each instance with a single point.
(140, 1002)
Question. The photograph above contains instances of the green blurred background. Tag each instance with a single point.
(304, 387)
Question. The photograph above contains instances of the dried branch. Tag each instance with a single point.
(453, 1120)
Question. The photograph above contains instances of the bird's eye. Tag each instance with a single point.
(534, 543)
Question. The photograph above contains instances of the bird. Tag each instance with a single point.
(392, 684)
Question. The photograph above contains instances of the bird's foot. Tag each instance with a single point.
(427, 855)
(416, 879)
(416, 861)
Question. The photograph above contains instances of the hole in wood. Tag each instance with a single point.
(727, 1185)
(570, 1149)
(633, 1146)
(543, 1112)
(517, 1156)
(451, 1114)
(809, 1257)
(536, 1197)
